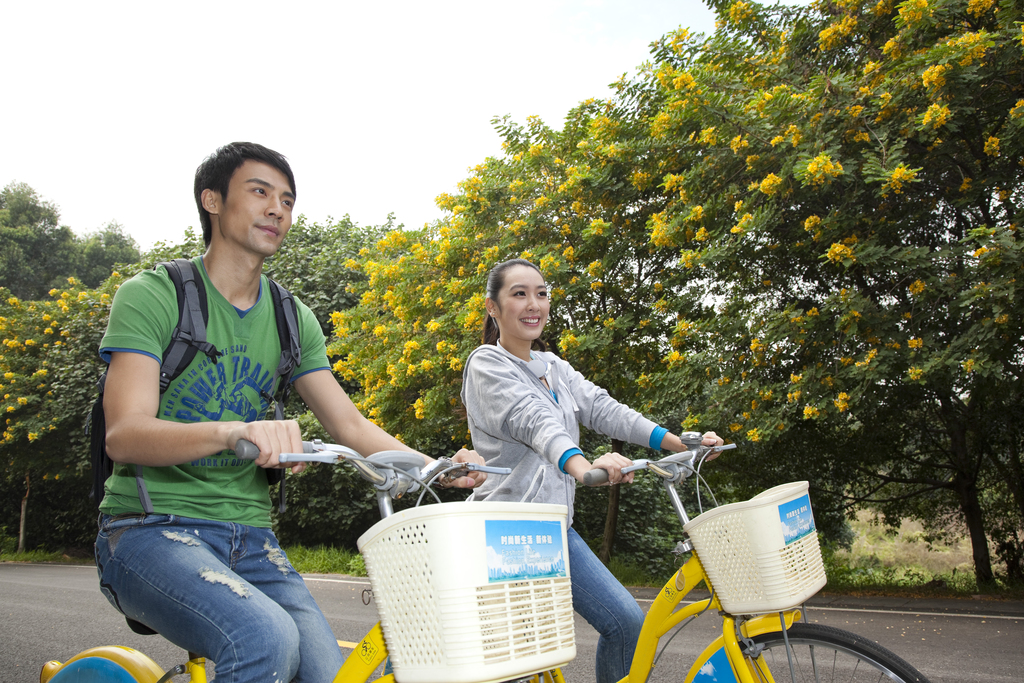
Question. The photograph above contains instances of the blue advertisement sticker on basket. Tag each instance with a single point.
(797, 519)
(523, 549)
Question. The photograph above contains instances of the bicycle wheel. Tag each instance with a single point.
(822, 654)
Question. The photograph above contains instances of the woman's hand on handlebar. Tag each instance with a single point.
(612, 463)
(673, 443)
(472, 479)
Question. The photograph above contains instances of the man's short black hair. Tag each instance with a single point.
(216, 170)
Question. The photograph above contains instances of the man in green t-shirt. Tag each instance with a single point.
(204, 569)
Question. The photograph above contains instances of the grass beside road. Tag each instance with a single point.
(902, 563)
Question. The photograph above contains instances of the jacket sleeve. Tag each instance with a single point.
(501, 403)
(601, 413)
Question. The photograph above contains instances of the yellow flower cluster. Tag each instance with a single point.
(839, 252)
(738, 144)
(770, 184)
(743, 224)
(935, 76)
(568, 341)
(842, 402)
(660, 230)
(899, 176)
(915, 343)
(913, 11)
(740, 12)
(936, 115)
(821, 170)
(992, 146)
(979, 7)
(834, 33)
(810, 412)
(916, 287)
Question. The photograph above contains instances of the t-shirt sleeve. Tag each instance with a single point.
(143, 313)
(314, 345)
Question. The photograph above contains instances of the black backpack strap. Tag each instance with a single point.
(96, 428)
(287, 316)
(190, 334)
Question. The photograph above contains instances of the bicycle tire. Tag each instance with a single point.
(838, 655)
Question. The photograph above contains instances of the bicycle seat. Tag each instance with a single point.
(139, 627)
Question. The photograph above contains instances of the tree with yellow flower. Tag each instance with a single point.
(879, 265)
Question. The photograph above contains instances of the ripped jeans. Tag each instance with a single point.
(225, 591)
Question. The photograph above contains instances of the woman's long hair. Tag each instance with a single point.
(495, 283)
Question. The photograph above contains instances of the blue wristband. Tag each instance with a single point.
(657, 436)
(568, 454)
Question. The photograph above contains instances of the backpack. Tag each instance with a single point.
(187, 339)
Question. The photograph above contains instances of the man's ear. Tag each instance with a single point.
(211, 201)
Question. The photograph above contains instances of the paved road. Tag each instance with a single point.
(54, 611)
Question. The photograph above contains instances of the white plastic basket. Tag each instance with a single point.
(472, 592)
(762, 555)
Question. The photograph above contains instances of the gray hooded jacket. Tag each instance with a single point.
(515, 422)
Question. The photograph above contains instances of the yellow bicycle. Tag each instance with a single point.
(500, 608)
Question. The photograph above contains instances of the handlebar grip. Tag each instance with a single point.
(246, 450)
(595, 477)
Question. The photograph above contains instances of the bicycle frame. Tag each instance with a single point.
(663, 617)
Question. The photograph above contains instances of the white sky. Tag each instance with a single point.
(379, 107)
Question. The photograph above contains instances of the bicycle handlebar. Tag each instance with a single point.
(668, 467)
(392, 472)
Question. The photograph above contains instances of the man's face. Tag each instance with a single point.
(257, 212)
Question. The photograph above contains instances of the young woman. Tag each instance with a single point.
(525, 406)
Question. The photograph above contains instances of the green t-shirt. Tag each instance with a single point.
(219, 487)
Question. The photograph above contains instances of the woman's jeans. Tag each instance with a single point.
(224, 591)
(598, 597)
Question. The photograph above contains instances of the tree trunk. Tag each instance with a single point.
(967, 492)
(24, 510)
(611, 518)
(965, 485)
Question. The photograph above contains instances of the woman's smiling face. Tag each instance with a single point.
(521, 309)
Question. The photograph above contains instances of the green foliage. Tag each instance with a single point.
(325, 560)
(313, 263)
(104, 251)
(34, 250)
(37, 254)
(61, 517)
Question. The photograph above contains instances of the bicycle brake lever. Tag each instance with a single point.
(462, 469)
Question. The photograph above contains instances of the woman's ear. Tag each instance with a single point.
(490, 306)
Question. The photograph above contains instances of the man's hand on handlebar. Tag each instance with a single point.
(272, 437)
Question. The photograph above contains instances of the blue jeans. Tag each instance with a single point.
(225, 591)
(598, 597)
